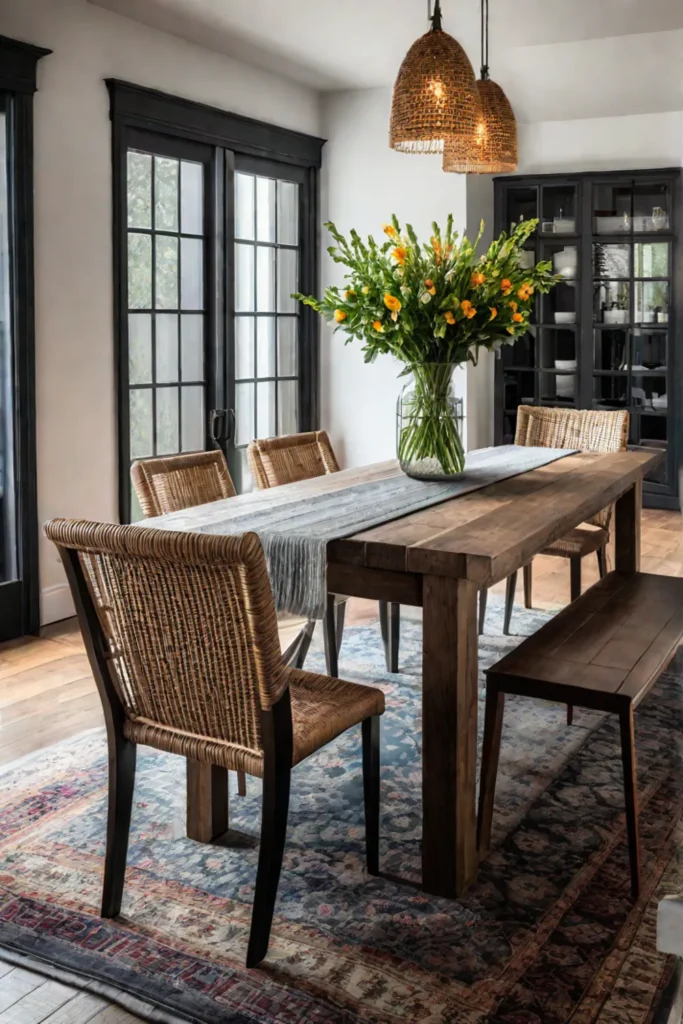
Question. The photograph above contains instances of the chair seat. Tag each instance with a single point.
(322, 709)
(582, 541)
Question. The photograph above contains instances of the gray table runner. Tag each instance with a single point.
(295, 532)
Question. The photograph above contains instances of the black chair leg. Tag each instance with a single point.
(628, 758)
(304, 644)
(390, 624)
(510, 588)
(483, 595)
(121, 784)
(602, 561)
(370, 729)
(330, 637)
(340, 615)
(575, 577)
(528, 582)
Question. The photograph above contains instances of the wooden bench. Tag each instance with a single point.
(603, 651)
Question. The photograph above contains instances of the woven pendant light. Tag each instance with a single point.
(492, 148)
(435, 93)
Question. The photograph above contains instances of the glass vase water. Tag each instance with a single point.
(430, 424)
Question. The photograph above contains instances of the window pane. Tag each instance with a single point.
(140, 348)
(287, 212)
(192, 333)
(166, 272)
(265, 346)
(192, 273)
(167, 347)
(265, 279)
(265, 408)
(286, 280)
(191, 198)
(652, 302)
(244, 206)
(288, 407)
(244, 347)
(193, 419)
(139, 190)
(165, 194)
(141, 432)
(265, 210)
(139, 271)
(651, 259)
(167, 421)
(136, 513)
(244, 413)
(244, 278)
(287, 337)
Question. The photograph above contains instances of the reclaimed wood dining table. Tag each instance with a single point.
(439, 559)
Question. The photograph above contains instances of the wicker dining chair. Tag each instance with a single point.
(284, 460)
(181, 633)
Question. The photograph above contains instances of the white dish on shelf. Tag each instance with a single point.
(565, 318)
(564, 225)
(616, 316)
(612, 225)
(660, 402)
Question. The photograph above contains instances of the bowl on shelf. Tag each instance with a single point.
(565, 382)
(564, 225)
(564, 262)
(565, 318)
(612, 225)
(659, 402)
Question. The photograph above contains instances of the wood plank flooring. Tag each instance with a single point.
(47, 694)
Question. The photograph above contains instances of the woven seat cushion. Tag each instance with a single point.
(322, 708)
(581, 541)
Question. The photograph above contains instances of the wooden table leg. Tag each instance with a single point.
(207, 801)
(627, 519)
(449, 735)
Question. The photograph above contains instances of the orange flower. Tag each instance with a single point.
(506, 286)
(391, 302)
(494, 313)
(470, 313)
(349, 293)
(517, 317)
(465, 305)
(378, 326)
(340, 315)
(510, 330)
(436, 244)
(513, 306)
(430, 286)
(449, 317)
(477, 279)
(390, 230)
(399, 254)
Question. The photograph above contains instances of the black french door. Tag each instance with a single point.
(213, 349)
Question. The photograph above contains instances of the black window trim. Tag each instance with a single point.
(136, 107)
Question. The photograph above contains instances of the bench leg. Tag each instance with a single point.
(510, 588)
(570, 714)
(528, 578)
(483, 595)
(602, 561)
(628, 758)
(493, 725)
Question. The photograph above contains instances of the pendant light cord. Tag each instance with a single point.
(435, 18)
(484, 39)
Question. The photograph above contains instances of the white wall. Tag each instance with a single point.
(74, 333)
(363, 183)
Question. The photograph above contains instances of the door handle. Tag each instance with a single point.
(216, 425)
(229, 428)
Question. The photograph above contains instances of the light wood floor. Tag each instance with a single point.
(47, 694)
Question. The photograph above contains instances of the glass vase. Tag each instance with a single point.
(430, 424)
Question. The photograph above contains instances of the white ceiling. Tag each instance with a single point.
(556, 59)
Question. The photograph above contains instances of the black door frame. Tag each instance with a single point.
(134, 107)
(20, 601)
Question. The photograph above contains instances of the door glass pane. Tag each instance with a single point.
(288, 406)
(244, 347)
(192, 338)
(8, 547)
(192, 273)
(165, 194)
(287, 213)
(651, 259)
(139, 271)
(650, 206)
(652, 302)
(559, 209)
(244, 278)
(192, 399)
(612, 261)
(140, 348)
(244, 206)
(286, 280)
(265, 408)
(612, 208)
(287, 332)
(141, 426)
(244, 413)
(167, 421)
(139, 190)
(166, 276)
(265, 210)
(191, 198)
(167, 347)
(265, 279)
(265, 347)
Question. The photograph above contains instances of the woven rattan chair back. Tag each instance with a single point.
(188, 627)
(284, 460)
(180, 481)
(589, 430)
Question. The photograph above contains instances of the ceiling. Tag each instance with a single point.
(557, 59)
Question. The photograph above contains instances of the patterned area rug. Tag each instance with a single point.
(548, 933)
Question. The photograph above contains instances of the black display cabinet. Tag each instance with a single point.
(609, 335)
